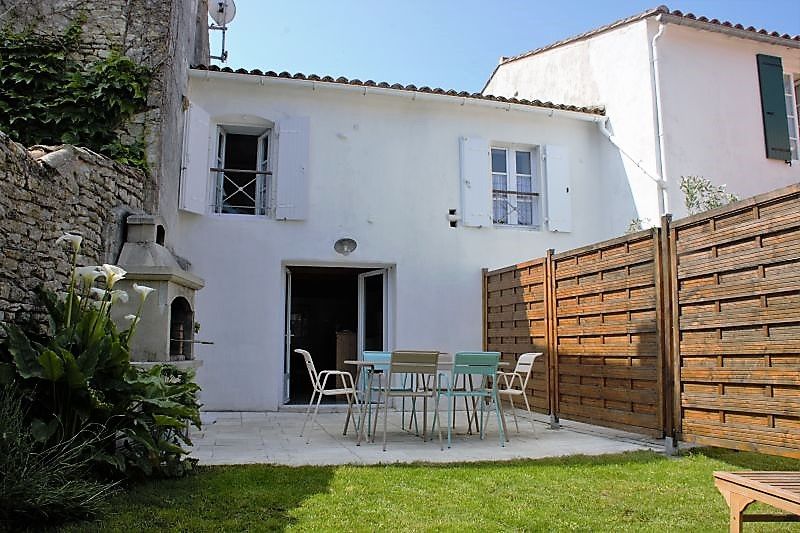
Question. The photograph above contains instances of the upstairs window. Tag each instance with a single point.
(243, 171)
(516, 186)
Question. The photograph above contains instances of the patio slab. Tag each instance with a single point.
(229, 438)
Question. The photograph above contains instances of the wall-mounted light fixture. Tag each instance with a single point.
(345, 246)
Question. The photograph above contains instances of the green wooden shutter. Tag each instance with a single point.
(776, 125)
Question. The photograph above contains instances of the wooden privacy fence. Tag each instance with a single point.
(691, 330)
(736, 324)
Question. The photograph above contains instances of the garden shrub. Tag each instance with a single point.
(51, 483)
(78, 374)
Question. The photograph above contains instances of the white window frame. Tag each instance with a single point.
(512, 199)
(790, 89)
(264, 193)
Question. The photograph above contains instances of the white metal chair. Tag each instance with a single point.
(319, 380)
(514, 384)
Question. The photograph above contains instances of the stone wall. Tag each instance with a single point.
(45, 192)
(163, 35)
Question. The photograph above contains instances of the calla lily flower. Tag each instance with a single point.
(130, 317)
(72, 239)
(87, 274)
(113, 274)
(98, 293)
(119, 296)
(143, 290)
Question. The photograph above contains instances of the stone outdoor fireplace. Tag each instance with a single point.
(166, 331)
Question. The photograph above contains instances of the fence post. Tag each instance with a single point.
(551, 338)
(485, 307)
(665, 335)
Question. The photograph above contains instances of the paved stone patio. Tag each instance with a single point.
(273, 438)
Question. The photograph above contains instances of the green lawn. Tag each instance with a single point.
(639, 491)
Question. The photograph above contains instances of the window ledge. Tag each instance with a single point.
(517, 226)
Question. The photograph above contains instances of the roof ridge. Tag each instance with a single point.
(341, 80)
(660, 10)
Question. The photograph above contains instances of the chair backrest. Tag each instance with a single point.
(476, 363)
(312, 371)
(381, 359)
(525, 366)
(414, 362)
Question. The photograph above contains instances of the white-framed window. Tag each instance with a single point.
(516, 186)
(790, 92)
(243, 170)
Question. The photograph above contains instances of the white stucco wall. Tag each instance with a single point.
(712, 111)
(384, 170)
(710, 99)
(610, 69)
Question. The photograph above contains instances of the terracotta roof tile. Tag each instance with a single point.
(594, 110)
(660, 10)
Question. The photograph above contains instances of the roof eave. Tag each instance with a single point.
(506, 104)
(742, 33)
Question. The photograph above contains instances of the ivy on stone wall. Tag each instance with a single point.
(48, 96)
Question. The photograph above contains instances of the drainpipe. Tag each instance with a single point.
(663, 202)
(603, 126)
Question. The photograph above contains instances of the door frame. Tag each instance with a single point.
(361, 305)
(389, 306)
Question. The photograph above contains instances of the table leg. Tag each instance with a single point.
(738, 503)
(366, 405)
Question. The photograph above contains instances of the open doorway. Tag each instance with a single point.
(335, 313)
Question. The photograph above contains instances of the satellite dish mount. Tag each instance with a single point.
(222, 13)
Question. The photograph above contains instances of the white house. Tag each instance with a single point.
(369, 209)
(338, 215)
(685, 95)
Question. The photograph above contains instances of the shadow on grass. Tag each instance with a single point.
(232, 498)
(747, 460)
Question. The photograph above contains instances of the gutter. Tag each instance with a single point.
(414, 95)
(655, 74)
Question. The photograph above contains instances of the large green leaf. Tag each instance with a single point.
(25, 357)
(6, 373)
(75, 378)
(42, 431)
(52, 365)
(169, 421)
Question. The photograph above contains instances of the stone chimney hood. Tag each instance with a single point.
(144, 257)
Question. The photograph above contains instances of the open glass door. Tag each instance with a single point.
(372, 311)
(287, 338)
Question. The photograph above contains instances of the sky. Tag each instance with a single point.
(453, 44)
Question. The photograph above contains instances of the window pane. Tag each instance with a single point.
(524, 211)
(500, 209)
(500, 182)
(523, 162)
(498, 160)
(524, 184)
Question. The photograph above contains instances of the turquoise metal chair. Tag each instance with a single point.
(483, 364)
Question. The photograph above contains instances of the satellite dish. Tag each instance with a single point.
(222, 12)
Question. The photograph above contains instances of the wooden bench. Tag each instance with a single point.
(778, 489)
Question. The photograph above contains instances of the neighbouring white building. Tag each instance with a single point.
(338, 215)
(685, 95)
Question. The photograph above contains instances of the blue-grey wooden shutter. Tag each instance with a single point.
(476, 182)
(196, 170)
(776, 124)
(292, 175)
(559, 197)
